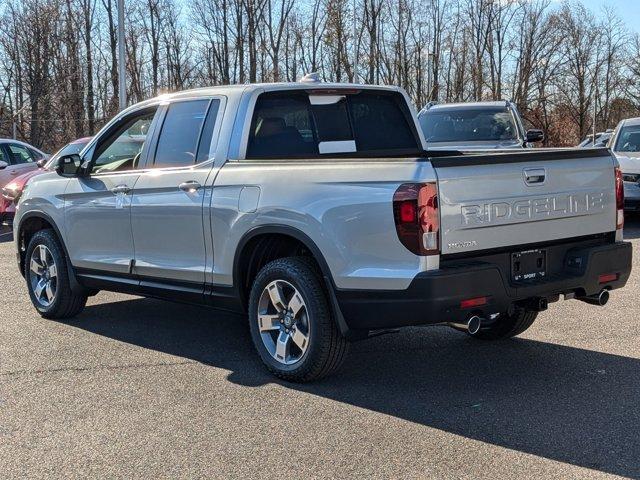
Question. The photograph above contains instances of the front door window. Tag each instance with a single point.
(122, 150)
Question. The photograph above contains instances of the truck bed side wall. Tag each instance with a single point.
(345, 206)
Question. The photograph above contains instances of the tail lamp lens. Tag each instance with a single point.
(415, 209)
(408, 213)
(619, 199)
(473, 302)
(607, 277)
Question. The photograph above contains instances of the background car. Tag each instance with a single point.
(625, 145)
(13, 189)
(475, 126)
(602, 140)
(17, 158)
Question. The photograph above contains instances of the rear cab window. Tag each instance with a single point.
(332, 123)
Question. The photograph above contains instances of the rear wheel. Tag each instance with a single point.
(507, 326)
(48, 279)
(291, 323)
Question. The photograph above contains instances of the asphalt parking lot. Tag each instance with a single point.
(141, 388)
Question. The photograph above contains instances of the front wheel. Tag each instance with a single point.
(507, 326)
(48, 279)
(291, 323)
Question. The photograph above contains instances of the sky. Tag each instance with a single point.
(628, 10)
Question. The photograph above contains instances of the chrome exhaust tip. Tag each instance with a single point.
(599, 299)
(603, 297)
(474, 324)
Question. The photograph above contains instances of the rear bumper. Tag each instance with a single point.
(435, 297)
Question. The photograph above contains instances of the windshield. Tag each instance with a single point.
(469, 125)
(68, 149)
(628, 139)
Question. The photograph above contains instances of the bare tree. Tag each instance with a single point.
(109, 6)
(558, 62)
(87, 9)
(581, 55)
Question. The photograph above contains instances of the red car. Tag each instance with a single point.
(12, 191)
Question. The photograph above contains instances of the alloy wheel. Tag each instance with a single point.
(44, 275)
(283, 322)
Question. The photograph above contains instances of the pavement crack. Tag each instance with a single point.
(97, 367)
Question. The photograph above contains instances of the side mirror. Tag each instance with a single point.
(3, 164)
(534, 136)
(41, 163)
(68, 165)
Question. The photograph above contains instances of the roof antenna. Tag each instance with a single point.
(313, 77)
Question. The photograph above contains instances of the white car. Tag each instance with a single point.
(625, 145)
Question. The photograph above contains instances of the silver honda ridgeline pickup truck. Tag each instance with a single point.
(318, 210)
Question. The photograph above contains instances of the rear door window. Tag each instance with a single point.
(331, 123)
(180, 134)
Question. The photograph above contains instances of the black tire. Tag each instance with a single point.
(507, 326)
(326, 347)
(66, 303)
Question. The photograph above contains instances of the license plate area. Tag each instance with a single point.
(530, 265)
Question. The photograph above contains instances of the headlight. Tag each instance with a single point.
(631, 177)
(12, 192)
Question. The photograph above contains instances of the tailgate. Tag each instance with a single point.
(500, 200)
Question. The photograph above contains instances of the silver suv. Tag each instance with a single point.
(475, 126)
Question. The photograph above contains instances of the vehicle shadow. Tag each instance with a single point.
(562, 403)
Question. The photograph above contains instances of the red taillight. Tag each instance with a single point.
(408, 212)
(619, 199)
(473, 302)
(415, 210)
(607, 277)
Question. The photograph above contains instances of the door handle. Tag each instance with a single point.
(121, 189)
(534, 176)
(190, 186)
